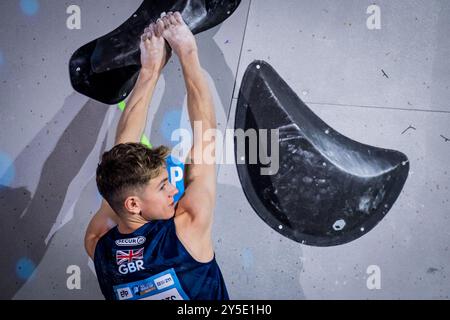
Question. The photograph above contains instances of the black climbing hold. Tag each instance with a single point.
(329, 189)
(106, 69)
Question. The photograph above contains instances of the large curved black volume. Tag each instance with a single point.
(106, 69)
(329, 189)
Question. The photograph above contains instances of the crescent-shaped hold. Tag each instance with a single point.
(107, 68)
(328, 189)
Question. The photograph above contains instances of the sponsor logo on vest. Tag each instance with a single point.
(137, 241)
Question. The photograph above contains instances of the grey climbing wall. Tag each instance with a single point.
(387, 87)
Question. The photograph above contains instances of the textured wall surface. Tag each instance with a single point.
(387, 88)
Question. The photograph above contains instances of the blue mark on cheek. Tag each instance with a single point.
(29, 7)
(170, 123)
(247, 258)
(25, 268)
(7, 171)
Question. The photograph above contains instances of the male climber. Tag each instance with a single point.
(159, 249)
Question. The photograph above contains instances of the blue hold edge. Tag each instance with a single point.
(175, 169)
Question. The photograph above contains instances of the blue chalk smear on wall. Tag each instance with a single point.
(247, 258)
(98, 197)
(2, 60)
(170, 123)
(7, 171)
(25, 268)
(29, 7)
(175, 169)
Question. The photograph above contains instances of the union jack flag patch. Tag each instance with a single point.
(125, 256)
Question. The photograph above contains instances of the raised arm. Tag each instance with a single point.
(154, 55)
(200, 177)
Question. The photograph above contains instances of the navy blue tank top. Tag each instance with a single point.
(152, 264)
